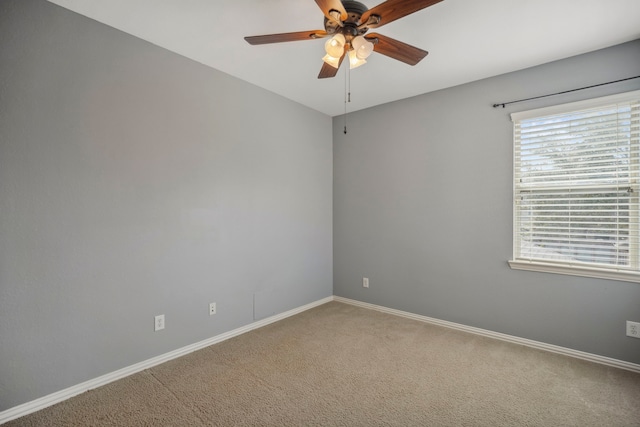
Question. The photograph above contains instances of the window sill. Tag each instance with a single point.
(572, 270)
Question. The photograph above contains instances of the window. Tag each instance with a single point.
(576, 188)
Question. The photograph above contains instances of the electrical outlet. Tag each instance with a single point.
(159, 322)
(365, 282)
(212, 308)
(633, 329)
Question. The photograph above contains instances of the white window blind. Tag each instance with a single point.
(576, 176)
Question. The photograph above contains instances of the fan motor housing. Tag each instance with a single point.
(348, 27)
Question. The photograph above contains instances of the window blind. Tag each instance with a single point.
(576, 176)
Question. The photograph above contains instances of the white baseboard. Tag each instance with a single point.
(53, 398)
(497, 335)
(59, 396)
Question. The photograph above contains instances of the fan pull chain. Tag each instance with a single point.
(347, 94)
(345, 101)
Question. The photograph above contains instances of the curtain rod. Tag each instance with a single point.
(560, 93)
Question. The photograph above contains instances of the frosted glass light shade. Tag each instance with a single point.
(335, 46)
(354, 61)
(362, 47)
(333, 61)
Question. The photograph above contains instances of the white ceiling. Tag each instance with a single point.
(467, 40)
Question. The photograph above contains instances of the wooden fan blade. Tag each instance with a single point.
(391, 10)
(328, 71)
(286, 37)
(396, 49)
(329, 5)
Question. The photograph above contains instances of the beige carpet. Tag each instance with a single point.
(340, 365)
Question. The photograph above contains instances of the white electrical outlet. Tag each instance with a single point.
(365, 282)
(633, 329)
(212, 308)
(159, 322)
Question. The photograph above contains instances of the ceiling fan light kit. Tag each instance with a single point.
(347, 22)
(358, 52)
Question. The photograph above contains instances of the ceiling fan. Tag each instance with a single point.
(347, 22)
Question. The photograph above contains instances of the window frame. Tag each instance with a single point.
(629, 274)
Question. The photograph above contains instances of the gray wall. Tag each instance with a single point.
(134, 182)
(423, 208)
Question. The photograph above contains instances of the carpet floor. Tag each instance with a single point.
(341, 365)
